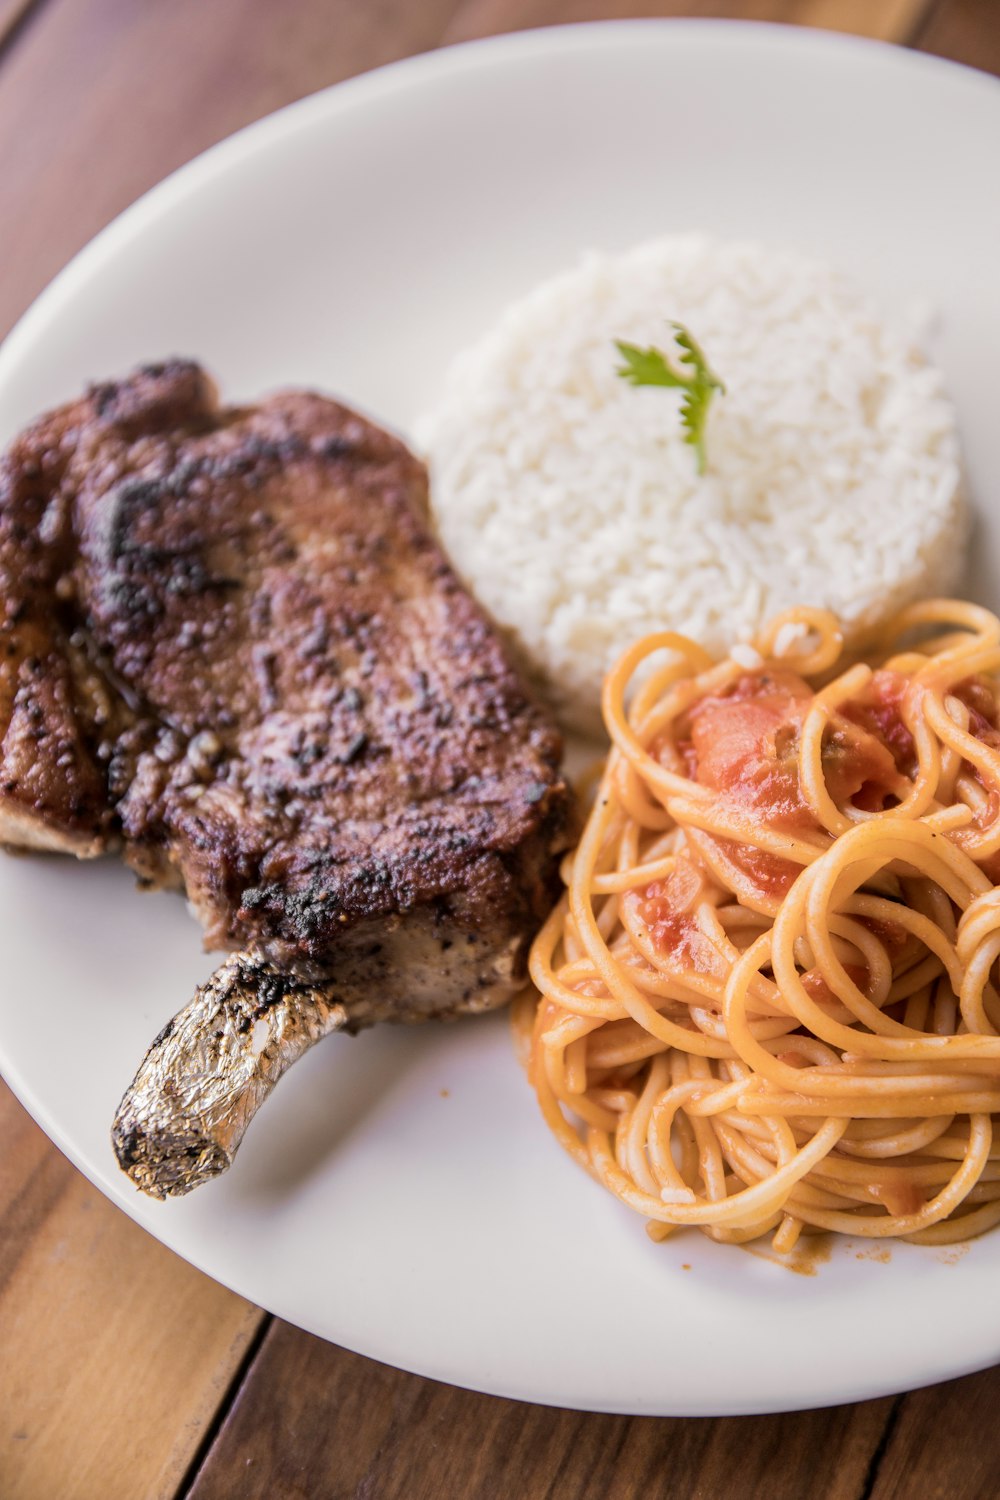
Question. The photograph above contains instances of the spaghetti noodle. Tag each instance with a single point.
(768, 999)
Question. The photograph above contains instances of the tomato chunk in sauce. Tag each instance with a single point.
(668, 910)
(880, 713)
(981, 702)
(980, 699)
(744, 744)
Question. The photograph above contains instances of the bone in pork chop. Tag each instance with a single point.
(233, 650)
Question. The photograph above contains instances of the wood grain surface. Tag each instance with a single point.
(966, 31)
(12, 14)
(99, 99)
(369, 1431)
(124, 1373)
(889, 20)
(943, 1444)
(115, 1353)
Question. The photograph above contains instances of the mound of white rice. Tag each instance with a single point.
(571, 504)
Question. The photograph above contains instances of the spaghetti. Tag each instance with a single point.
(768, 999)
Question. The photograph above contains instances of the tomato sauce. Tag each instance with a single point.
(982, 705)
(899, 1195)
(668, 908)
(743, 743)
(880, 714)
(817, 988)
(770, 874)
(892, 935)
(979, 698)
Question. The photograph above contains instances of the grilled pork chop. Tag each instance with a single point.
(233, 651)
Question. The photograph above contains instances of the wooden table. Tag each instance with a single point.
(124, 1373)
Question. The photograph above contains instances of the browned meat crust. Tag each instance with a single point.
(231, 646)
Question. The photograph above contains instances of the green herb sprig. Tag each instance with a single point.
(690, 373)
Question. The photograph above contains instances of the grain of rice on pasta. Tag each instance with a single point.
(573, 507)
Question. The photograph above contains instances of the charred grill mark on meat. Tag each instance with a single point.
(231, 647)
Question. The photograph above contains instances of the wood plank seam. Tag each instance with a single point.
(881, 1448)
(921, 24)
(15, 16)
(34, 1202)
(227, 1400)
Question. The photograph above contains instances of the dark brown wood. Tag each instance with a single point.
(314, 1420)
(967, 31)
(944, 1444)
(99, 99)
(889, 20)
(12, 14)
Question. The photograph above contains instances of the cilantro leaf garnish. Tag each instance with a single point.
(690, 372)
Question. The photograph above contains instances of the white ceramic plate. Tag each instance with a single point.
(401, 1195)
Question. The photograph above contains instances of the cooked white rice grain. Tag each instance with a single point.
(571, 503)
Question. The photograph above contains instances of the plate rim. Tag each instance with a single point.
(412, 71)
